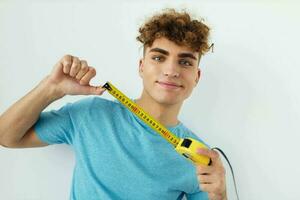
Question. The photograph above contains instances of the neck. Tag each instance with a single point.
(166, 114)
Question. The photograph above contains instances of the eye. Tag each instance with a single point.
(158, 58)
(185, 63)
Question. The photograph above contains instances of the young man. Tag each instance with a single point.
(117, 155)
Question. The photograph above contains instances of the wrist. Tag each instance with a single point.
(51, 89)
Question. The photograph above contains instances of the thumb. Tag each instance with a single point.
(92, 90)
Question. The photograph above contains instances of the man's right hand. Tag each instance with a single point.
(69, 76)
(72, 76)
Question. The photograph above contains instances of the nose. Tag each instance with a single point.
(171, 70)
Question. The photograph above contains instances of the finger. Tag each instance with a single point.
(100, 90)
(84, 69)
(214, 196)
(206, 187)
(85, 80)
(204, 169)
(205, 179)
(75, 67)
(86, 90)
(66, 62)
(213, 155)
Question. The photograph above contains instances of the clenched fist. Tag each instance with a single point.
(72, 76)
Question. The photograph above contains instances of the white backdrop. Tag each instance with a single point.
(246, 102)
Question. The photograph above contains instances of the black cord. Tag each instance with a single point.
(223, 154)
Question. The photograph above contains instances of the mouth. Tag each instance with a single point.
(169, 85)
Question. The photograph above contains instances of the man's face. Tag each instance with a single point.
(169, 72)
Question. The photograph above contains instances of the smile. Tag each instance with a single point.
(169, 85)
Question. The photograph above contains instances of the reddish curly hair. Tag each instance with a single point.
(177, 27)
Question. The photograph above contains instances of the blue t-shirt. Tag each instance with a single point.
(118, 156)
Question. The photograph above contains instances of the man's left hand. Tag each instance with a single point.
(212, 178)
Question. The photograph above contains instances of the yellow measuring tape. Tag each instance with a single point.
(184, 146)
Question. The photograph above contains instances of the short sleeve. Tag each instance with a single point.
(197, 196)
(55, 126)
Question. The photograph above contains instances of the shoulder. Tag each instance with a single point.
(185, 132)
(92, 105)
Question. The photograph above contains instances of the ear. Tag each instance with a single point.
(141, 67)
(198, 75)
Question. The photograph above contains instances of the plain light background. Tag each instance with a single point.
(246, 103)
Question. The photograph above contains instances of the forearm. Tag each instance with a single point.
(23, 114)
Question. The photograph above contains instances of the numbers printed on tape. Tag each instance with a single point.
(187, 147)
(184, 146)
(133, 107)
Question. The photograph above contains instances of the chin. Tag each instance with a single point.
(167, 99)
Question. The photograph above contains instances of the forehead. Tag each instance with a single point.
(170, 46)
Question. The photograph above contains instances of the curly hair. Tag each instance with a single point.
(177, 27)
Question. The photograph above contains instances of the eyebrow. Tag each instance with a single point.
(187, 55)
(162, 51)
(181, 55)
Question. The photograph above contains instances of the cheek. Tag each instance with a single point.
(189, 79)
(189, 82)
(150, 71)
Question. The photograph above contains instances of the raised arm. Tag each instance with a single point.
(70, 76)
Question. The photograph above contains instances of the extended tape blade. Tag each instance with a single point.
(141, 114)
